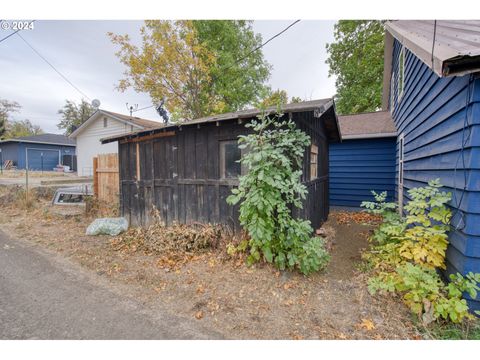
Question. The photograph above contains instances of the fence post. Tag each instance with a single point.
(95, 176)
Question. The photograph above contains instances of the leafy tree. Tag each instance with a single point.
(275, 98)
(296, 99)
(6, 108)
(22, 128)
(74, 115)
(356, 59)
(238, 83)
(269, 191)
(198, 67)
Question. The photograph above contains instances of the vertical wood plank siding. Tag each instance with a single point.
(438, 115)
(359, 166)
(180, 176)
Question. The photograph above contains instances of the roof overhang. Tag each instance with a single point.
(455, 52)
(34, 142)
(323, 108)
(95, 116)
(368, 136)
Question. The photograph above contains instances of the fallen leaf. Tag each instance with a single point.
(199, 315)
(367, 324)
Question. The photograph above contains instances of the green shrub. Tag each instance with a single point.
(407, 253)
(269, 190)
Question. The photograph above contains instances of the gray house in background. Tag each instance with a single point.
(44, 152)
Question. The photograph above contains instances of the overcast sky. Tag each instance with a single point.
(82, 51)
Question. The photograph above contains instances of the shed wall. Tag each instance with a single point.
(359, 166)
(440, 119)
(180, 176)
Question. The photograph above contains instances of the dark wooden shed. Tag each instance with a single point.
(187, 170)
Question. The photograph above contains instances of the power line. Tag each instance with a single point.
(53, 67)
(262, 45)
(13, 33)
(241, 59)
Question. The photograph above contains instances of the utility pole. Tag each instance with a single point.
(1, 161)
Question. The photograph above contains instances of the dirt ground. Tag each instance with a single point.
(241, 302)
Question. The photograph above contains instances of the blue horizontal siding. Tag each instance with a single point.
(440, 121)
(359, 166)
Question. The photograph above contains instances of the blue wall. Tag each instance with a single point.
(438, 115)
(50, 161)
(359, 166)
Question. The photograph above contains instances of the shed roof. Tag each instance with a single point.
(448, 47)
(319, 106)
(367, 125)
(52, 139)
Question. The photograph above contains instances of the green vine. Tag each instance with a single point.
(273, 155)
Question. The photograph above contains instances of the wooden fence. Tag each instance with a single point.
(105, 178)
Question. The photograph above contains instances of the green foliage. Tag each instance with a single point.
(275, 98)
(238, 83)
(22, 128)
(393, 224)
(198, 67)
(6, 108)
(74, 115)
(15, 128)
(271, 187)
(356, 60)
(407, 253)
(425, 240)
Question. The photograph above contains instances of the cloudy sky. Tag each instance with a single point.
(82, 51)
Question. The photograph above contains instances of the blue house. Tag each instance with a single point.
(364, 160)
(432, 89)
(41, 152)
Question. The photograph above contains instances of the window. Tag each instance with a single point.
(313, 162)
(131, 127)
(105, 122)
(230, 154)
(401, 73)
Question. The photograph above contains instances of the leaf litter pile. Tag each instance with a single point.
(186, 270)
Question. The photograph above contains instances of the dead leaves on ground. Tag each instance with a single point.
(348, 217)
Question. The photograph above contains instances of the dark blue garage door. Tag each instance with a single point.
(41, 159)
(359, 166)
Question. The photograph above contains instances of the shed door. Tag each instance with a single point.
(43, 159)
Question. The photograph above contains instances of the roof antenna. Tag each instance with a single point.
(131, 108)
(162, 111)
(96, 103)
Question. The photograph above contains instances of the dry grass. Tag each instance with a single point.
(14, 174)
(205, 285)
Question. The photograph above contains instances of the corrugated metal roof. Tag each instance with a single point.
(457, 43)
(367, 125)
(320, 106)
(56, 139)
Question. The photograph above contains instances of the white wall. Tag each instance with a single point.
(89, 146)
